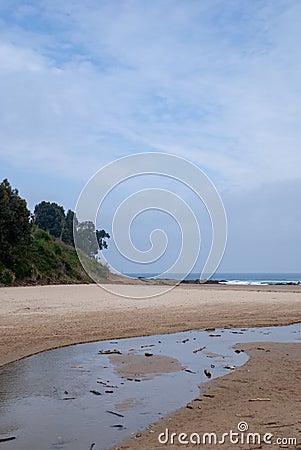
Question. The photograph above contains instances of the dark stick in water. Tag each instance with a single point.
(11, 438)
(115, 413)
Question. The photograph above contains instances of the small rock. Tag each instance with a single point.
(207, 373)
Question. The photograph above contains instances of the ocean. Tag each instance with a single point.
(235, 278)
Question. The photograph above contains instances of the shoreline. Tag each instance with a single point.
(36, 319)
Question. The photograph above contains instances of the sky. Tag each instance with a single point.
(218, 83)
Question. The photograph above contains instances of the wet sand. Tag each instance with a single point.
(33, 319)
(138, 366)
(264, 393)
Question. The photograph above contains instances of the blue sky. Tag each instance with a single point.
(219, 83)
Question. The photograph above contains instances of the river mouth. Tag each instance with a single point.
(101, 392)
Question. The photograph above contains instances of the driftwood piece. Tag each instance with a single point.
(6, 439)
(189, 371)
(115, 413)
(110, 352)
(198, 349)
(95, 392)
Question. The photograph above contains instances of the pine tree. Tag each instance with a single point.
(15, 227)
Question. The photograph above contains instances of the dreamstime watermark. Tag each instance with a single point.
(240, 436)
(171, 167)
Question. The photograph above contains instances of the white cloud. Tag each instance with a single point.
(217, 83)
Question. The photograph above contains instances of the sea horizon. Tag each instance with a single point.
(232, 277)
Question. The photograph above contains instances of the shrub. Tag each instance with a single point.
(7, 276)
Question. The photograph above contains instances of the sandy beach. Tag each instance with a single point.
(34, 319)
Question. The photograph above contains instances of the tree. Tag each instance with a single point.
(89, 240)
(67, 234)
(86, 238)
(15, 227)
(50, 217)
(101, 235)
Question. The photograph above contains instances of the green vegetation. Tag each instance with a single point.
(51, 217)
(15, 228)
(32, 255)
(52, 261)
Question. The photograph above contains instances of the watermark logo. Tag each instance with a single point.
(241, 436)
(170, 167)
(242, 426)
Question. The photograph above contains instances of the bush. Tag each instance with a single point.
(7, 276)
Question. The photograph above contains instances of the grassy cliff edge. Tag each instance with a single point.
(50, 261)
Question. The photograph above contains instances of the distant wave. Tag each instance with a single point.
(260, 283)
(256, 279)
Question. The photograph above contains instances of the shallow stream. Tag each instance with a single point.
(46, 401)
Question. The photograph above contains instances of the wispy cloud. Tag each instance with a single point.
(216, 82)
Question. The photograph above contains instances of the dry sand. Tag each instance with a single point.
(34, 319)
